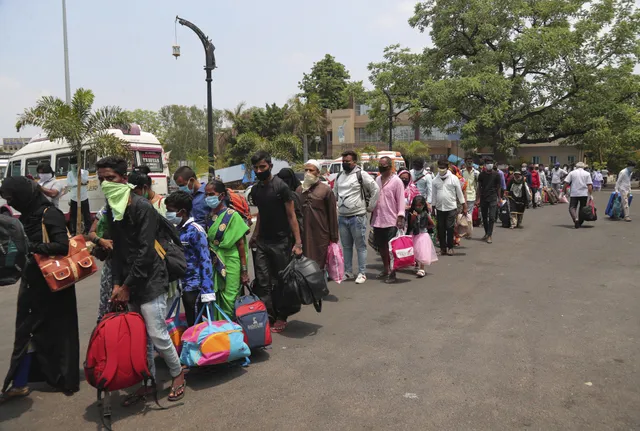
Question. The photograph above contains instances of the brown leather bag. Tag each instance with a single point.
(61, 272)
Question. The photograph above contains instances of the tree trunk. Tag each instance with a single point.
(79, 217)
(305, 148)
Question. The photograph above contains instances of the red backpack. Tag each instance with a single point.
(117, 356)
(239, 203)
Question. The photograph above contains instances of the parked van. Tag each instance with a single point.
(145, 150)
(364, 163)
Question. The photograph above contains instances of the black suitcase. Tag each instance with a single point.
(505, 215)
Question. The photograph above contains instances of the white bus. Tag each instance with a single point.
(145, 150)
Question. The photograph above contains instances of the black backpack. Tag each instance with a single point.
(14, 247)
(170, 249)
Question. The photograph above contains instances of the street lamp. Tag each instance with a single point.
(210, 64)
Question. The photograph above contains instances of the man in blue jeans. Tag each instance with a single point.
(357, 194)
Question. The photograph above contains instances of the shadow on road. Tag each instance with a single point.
(331, 298)
(298, 329)
(13, 409)
(572, 227)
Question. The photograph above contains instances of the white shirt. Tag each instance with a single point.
(579, 180)
(472, 182)
(557, 175)
(624, 181)
(52, 184)
(447, 192)
(72, 183)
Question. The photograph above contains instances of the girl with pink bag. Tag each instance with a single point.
(420, 225)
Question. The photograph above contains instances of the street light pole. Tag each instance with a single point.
(386, 92)
(67, 84)
(210, 64)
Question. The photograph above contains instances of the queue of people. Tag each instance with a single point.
(293, 218)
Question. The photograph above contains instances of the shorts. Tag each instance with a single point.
(383, 235)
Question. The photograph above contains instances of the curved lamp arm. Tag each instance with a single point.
(208, 46)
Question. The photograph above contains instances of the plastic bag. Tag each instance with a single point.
(462, 225)
(303, 283)
(588, 212)
(401, 252)
(335, 263)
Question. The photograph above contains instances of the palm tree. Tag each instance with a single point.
(80, 127)
(305, 118)
(236, 117)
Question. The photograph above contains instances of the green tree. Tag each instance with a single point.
(245, 145)
(285, 147)
(507, 73)
(306, 119)
(79, 126)
(266, 122)
(329, 80)
(149, 121)
(412, 151)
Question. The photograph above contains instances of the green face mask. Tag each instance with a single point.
(117, 195)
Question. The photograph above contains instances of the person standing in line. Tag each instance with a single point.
(543, 181)
(197, 283)
(605, 176)
(140, 277)
(557, 177)
(510, 173)
(289, 177)
(142, 181)
(623, 186)
(319, 214)
(535, 184)
(72, 183)
(596, 176)
(419, 225)
(388, 216)
(46, 344)
(489, 190)
(518, 199)
(581, 189)
(422, 179)
(357, 194)
(276, 224)
(470, 175)
(187, 181)
(526, 174)
(410, 189)
(446, 195)
(48, 185)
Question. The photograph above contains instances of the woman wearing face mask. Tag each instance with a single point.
(48, 185)
(410, 189)
(319, 214)
(141, 180)
(228, 246)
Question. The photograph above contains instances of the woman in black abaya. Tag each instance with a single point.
(46, 346)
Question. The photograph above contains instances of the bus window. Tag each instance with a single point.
(152, 159)
(335, 168)
(90, 159)
(14, 170)
(32, 165)
(3, 171)
(62, 164)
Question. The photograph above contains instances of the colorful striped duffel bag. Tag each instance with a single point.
(213, 342)
(176, 324)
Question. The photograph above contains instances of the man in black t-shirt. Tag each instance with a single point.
(275, 226)
(489, 189)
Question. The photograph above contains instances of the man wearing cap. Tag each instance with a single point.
(581, 189)
(319, 214)
(557, 177)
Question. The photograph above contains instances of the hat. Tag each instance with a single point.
(313, 162)
(557, 164)
(581, 165)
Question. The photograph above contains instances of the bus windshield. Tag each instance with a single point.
(152, 159)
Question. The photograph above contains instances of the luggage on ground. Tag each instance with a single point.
(335, 262)
(538, 198)
(401, 252)
(563, 199)
(213, 342)
(505, 214)
(588, 212)
(61, 272)
(117, 357)
(553, 195)
(463, 225)
(252, 315)
(14, 247)
(304, 277)
(170, 249)
(176, 324)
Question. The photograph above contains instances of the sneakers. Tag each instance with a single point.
(361, 279)
(489, 240)
(627, 219)
(347, 276)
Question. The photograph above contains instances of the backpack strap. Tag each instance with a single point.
(111, 330)
(138, 342)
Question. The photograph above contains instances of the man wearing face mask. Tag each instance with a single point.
(187, 181)
(48, 185)
(447, 193)
(72, 183)
(534, 185)
(140, 277)
(423, 180)
(388, 216)
(319, 214)
(357, 194)
(489, 190)
(470, 175)
(623, 186)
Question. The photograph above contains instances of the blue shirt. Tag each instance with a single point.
(503, 183)
(200, 209)
(199, 273)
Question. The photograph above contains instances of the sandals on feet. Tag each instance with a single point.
(382, 275)
(420, 273)
(279, 326)
(178, 392)
(14, 393)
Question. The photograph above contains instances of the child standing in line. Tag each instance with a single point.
(419, 226)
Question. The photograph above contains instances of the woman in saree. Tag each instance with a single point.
(226, 234)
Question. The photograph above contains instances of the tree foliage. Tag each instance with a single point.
(328, 80)
(521, 71)
(412, 151)
(306, 119)
(149, 121)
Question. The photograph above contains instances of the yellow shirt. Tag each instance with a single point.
(472, 181)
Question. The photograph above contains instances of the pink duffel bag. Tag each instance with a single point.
(401, 252)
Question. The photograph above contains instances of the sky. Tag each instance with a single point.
(122, 49)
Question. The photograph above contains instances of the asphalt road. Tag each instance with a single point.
(537, 331)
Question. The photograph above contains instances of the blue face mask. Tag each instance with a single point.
(173, 218)
(212, 201)
(186, 188)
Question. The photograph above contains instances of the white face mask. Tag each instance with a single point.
(45, 177)
(309, 180)
(489, 166)
(442, 171)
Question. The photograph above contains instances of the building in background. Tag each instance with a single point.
(550, 153)
(11, 145)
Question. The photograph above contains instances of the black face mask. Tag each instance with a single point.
(264, 175)
(383, 169)
(346, 166)
(406, 182)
